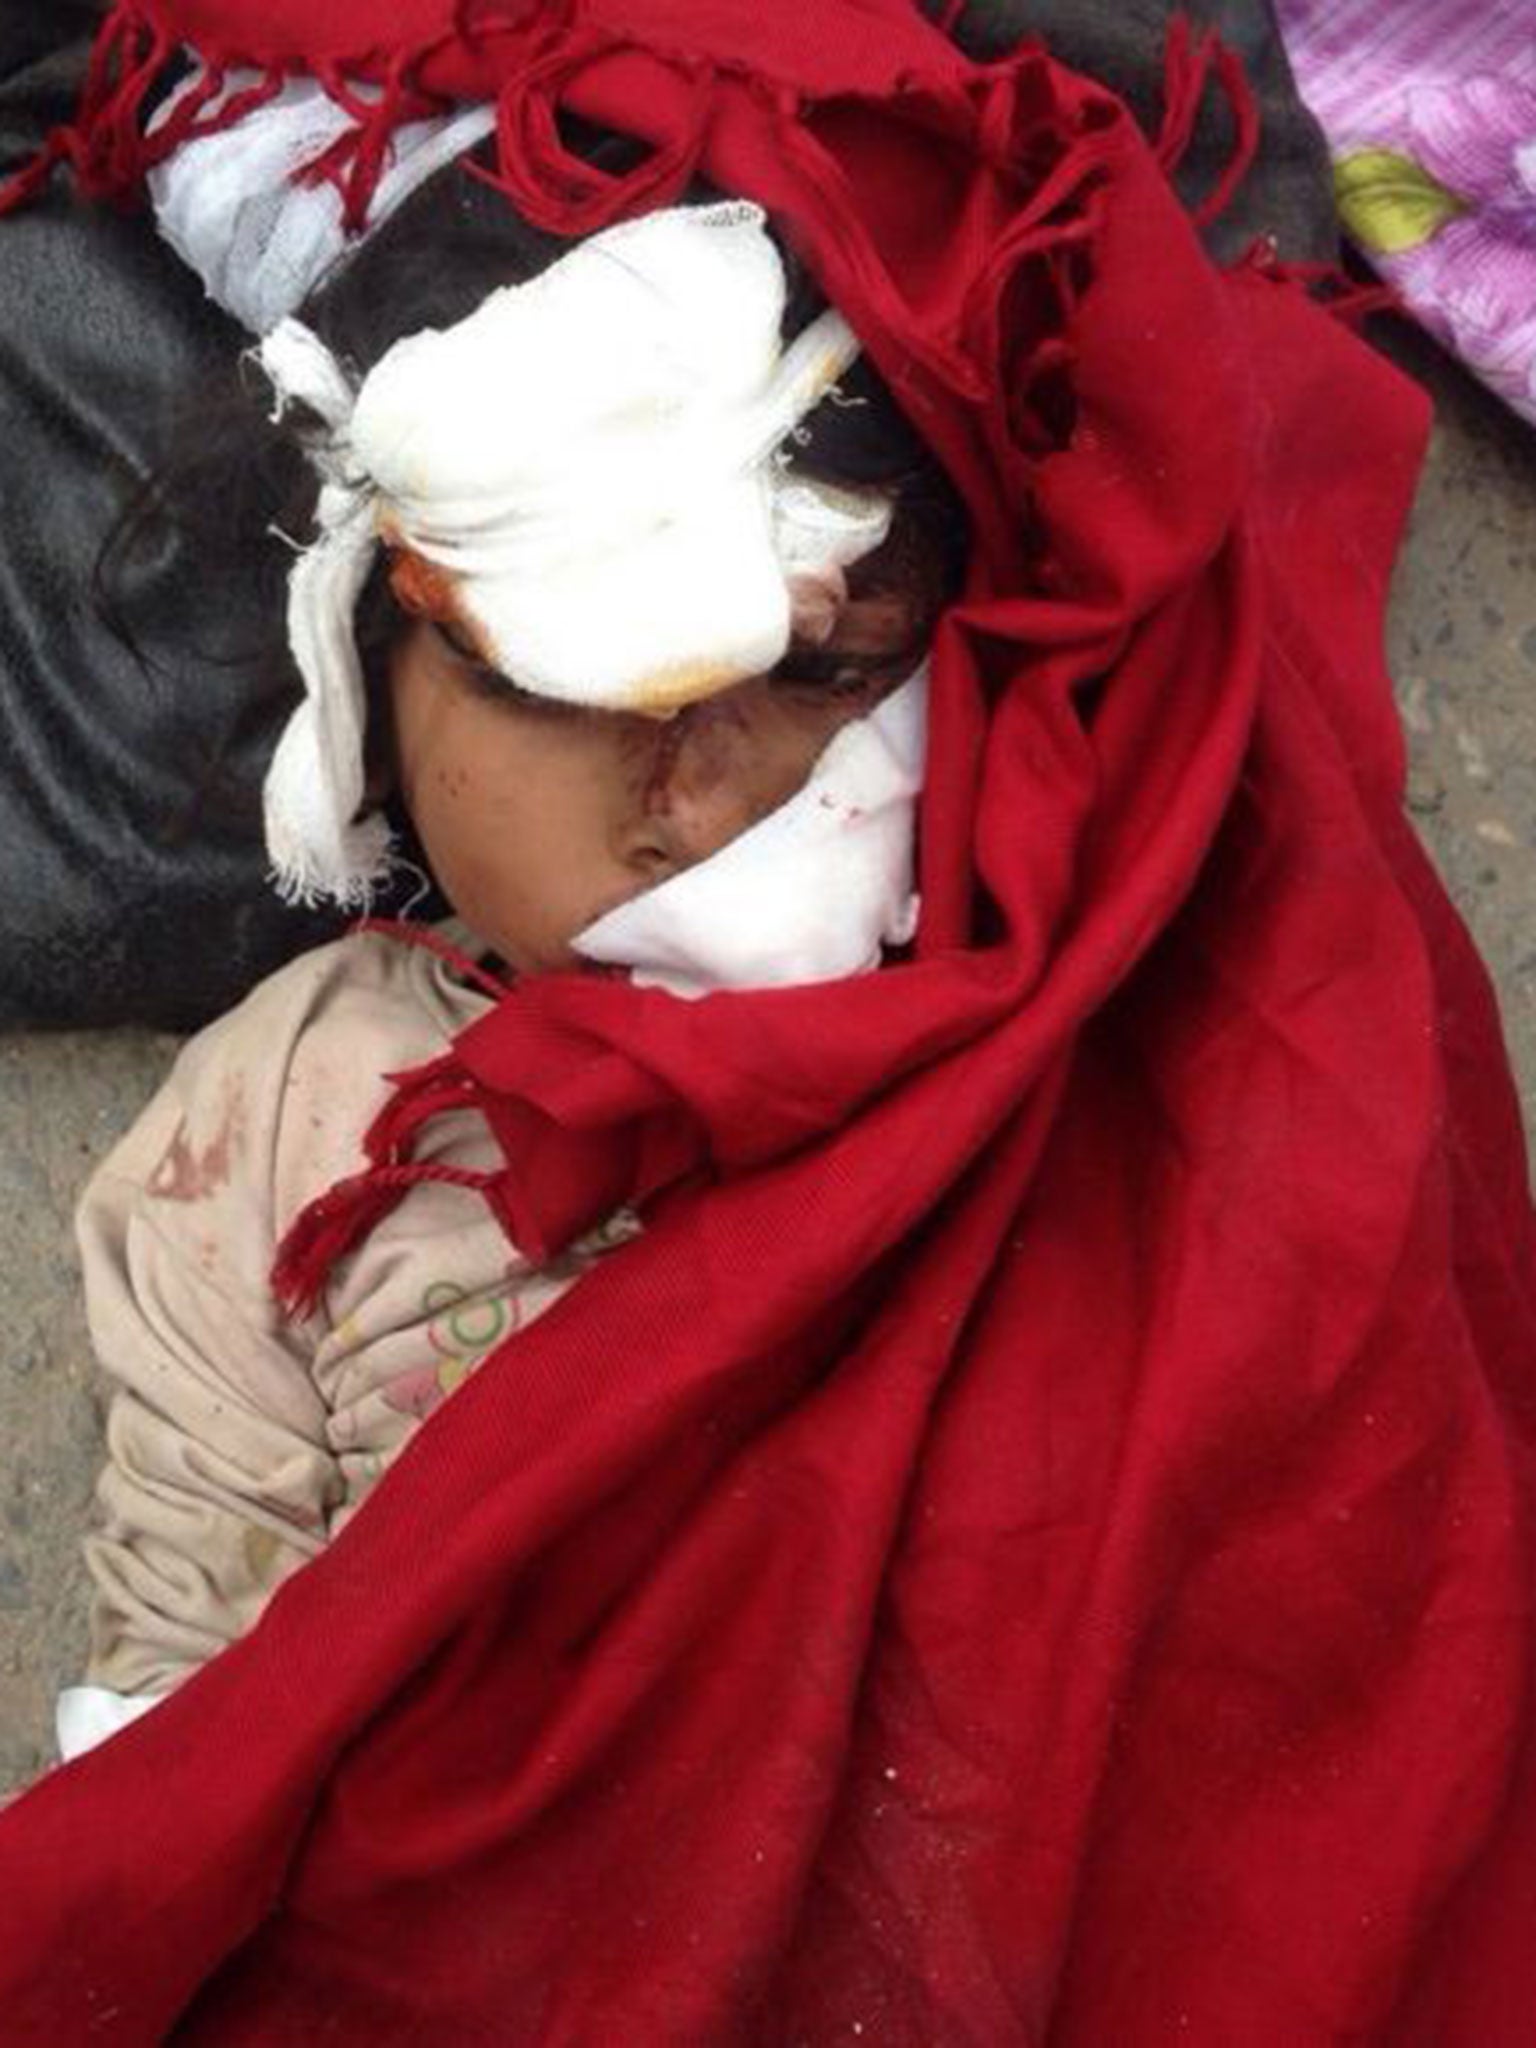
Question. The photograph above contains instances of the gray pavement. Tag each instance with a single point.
(1463, 647)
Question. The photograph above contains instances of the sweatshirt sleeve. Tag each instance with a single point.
(220, 1480)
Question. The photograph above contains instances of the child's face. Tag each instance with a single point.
(538, 817)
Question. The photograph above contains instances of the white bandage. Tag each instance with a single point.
(232, 207)
(814, 891)
(591, 462)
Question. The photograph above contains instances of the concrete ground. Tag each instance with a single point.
(1463, 645)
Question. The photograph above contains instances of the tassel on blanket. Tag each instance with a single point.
(107, 145)
(573, 1118)
(336, 1222)
(1329, 285)
(110, 150)
(355, 162)
(339, 1220)
(104, 144)
(582, 1174)
(1187, 69)
(551, 185)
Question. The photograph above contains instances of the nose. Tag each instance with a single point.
(645, 851)
(696, 793)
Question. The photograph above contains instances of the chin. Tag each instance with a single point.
(553, 959)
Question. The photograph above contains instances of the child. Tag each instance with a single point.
(1031, 1537)
(569, 809)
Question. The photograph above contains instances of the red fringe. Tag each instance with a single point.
(332, 1225)
(355, 161)
(1349, 299)
(104, 133)
(336, 1222)
(109, 152)
(105, 145)
(557, 190)
(187, 122)
(1187, 69)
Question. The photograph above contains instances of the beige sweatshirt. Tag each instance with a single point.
(238, 1442)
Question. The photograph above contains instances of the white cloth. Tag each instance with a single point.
(228, 205)
(810, 893)
(87, 1714)
(616, 541)
(592, 462)
(318, 843)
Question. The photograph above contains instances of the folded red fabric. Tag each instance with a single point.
(1035, 1539)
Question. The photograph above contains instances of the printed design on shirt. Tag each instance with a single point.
(462, 1326)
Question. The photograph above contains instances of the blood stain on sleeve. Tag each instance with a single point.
(189, 1172)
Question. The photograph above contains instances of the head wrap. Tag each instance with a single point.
(588, 464)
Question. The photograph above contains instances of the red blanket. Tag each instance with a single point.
(1034, 1542)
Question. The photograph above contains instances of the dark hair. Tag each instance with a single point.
(240, 493)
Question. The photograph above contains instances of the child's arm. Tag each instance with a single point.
(221, 1475)
(220, 1478)
(239, 1441)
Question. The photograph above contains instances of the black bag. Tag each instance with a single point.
(135, 877)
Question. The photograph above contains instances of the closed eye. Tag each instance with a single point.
(490, 682)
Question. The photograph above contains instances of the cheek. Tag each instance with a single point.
(515, 841)
(758, 760)
(476, 835)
